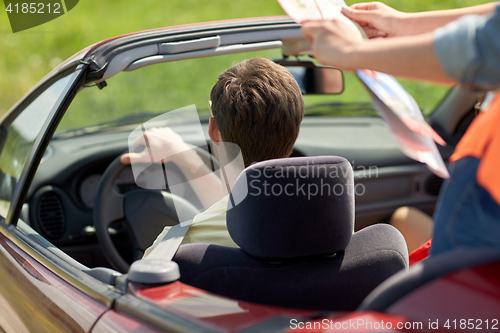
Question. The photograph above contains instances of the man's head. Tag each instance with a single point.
(258, 106)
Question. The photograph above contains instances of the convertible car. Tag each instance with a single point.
(73, 218)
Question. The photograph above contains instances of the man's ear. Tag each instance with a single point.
(213, 131)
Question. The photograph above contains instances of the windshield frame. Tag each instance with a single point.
(43, 138)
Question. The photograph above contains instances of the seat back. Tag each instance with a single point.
(295, 207)
(297, 247)
(338, 282)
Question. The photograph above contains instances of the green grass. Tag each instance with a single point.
(26, 57)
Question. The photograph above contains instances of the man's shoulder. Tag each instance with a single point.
(216, 212)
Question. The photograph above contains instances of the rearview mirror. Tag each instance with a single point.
(313, 79)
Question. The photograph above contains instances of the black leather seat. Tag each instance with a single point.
(297, 247)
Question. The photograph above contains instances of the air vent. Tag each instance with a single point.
(51, 215)
(433, 185)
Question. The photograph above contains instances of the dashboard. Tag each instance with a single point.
(88, 189)
(125, 182)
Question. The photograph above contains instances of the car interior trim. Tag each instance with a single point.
(121, 61)
(390, 171)
(104, 52)
(285, 35)
(203, 53)
(190, 45)
(127, 59)
(453, 108)
(102, 55)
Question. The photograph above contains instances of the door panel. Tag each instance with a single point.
(37, 300)
(383, 191)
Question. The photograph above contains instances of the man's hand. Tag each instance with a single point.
(331, 42)
(159, 144)
(377, 19)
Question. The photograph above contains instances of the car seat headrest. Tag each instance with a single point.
(294, 207)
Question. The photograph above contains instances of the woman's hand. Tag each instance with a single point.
(331, 42)
(335, 44)
(377, 19)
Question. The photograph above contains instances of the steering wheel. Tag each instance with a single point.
(144, 213)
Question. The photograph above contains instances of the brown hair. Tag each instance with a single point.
(257, 105)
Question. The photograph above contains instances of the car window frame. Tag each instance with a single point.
(47, 130)
(32, 243)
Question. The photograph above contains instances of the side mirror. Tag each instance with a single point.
(314, 79)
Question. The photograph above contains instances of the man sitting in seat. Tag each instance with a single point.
(256, 105)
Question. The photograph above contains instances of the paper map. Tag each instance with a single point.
(403, 116)
(312, 10)
(393, 103)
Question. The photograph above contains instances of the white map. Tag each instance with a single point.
(313, 10)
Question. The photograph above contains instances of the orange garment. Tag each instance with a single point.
(482, 140)
(420, 253)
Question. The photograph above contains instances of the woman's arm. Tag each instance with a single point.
(423, 22)
(466, 50)
(411, 57)
(380, 20)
